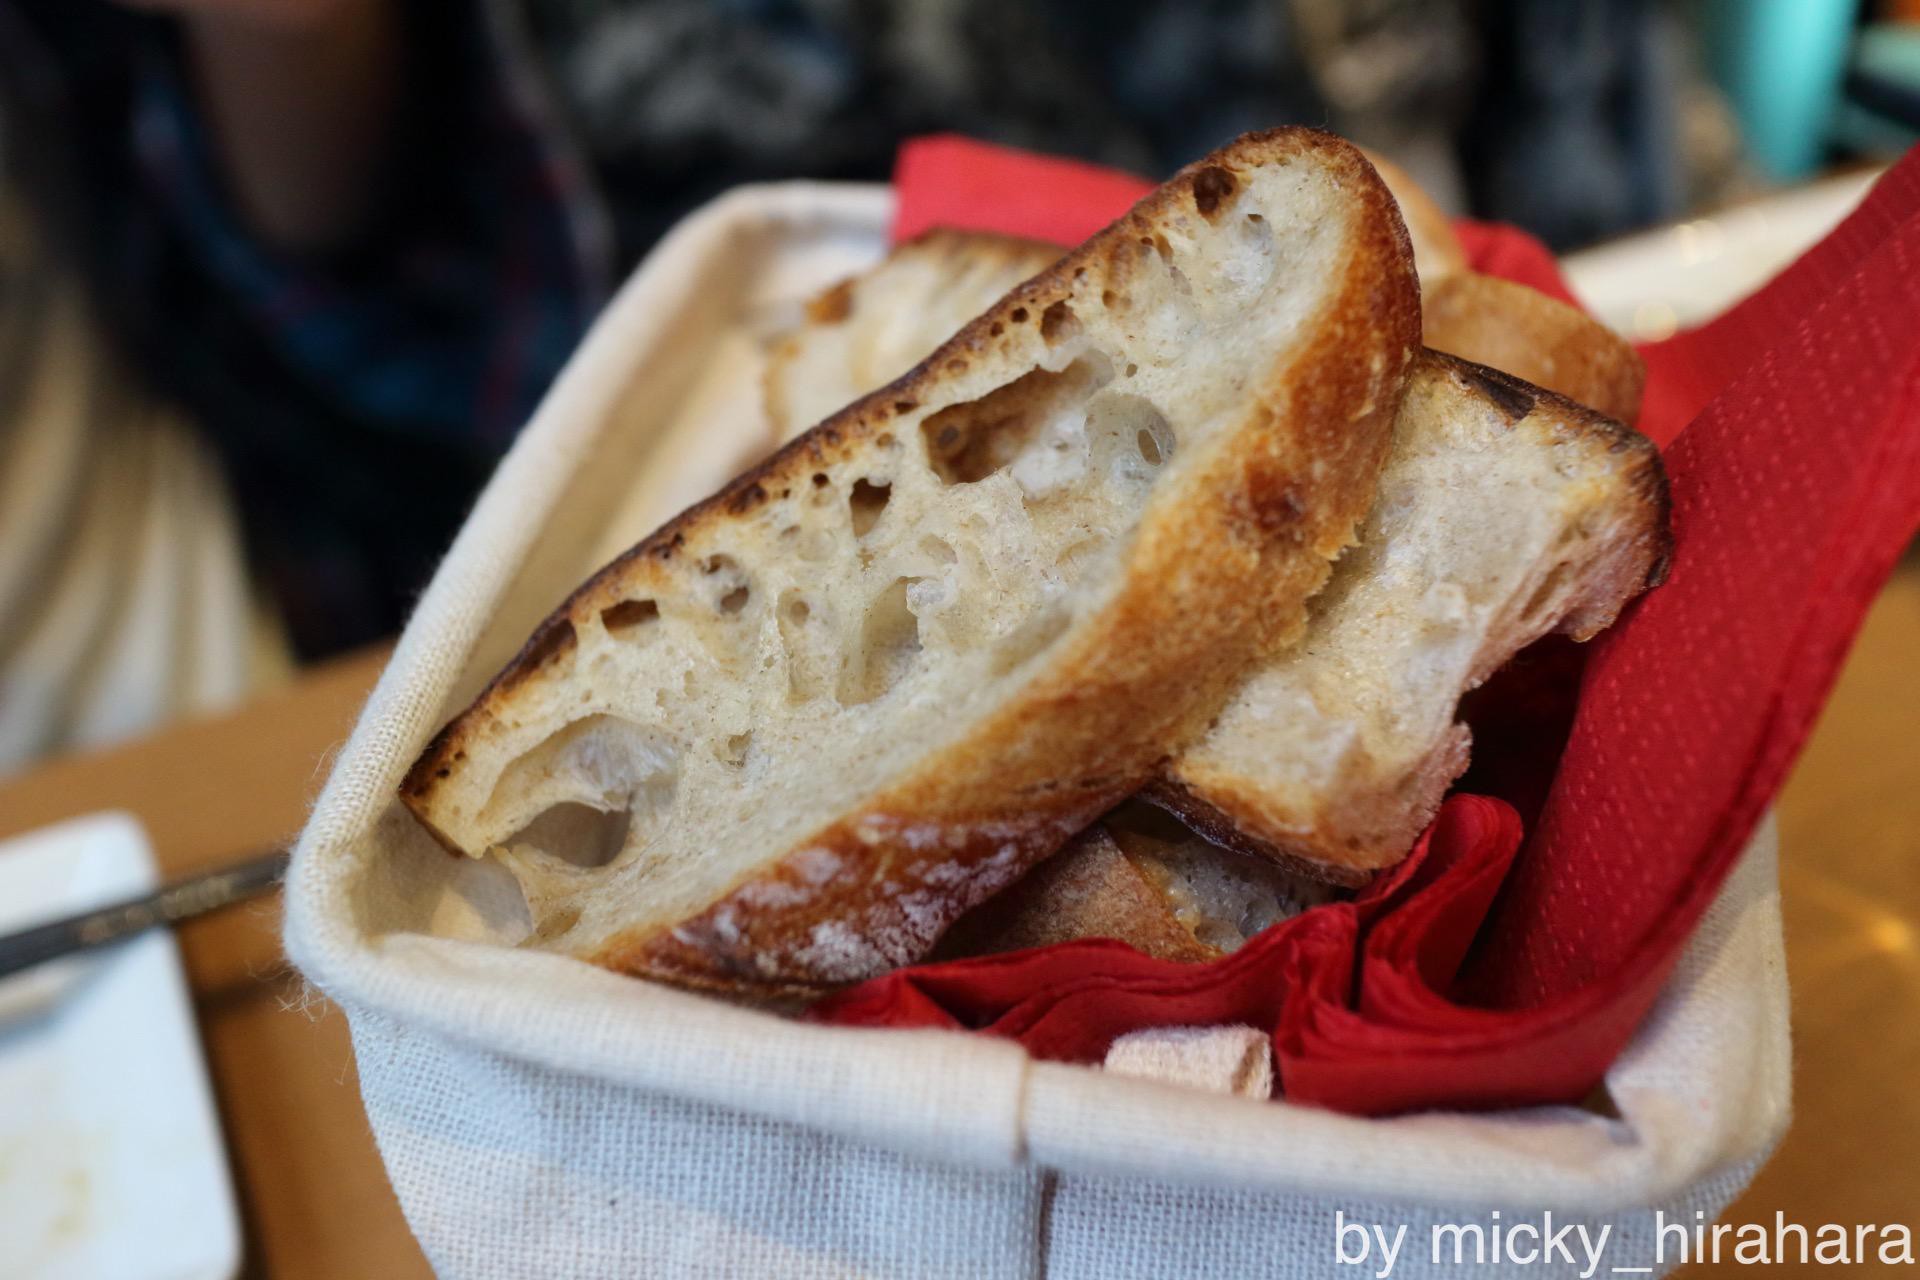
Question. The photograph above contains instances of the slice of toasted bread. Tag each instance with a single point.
(866, 331)
(1144, 878)
(787, 739)
(1504, 513)
(1535, 338)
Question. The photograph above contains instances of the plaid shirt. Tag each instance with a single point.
(454, 326)
(358, 399)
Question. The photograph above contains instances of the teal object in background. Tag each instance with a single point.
(1780, 63)
(1881, 116)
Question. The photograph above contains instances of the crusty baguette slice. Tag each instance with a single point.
(1504, 513)
(1535, 338)
(866, 331)
(783, 742)
(1144, 878)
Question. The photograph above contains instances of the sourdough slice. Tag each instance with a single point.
(786, 740)
(1504, 512)
(1090, 889)
(869, 329)
(1535, 338)
(1142, 877)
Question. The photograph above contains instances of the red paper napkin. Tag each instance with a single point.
(1484, 971)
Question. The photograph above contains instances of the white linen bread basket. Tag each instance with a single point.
(539, 1117)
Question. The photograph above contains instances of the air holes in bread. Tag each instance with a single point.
(1058, 323)
(1128, 436)
(733, 751)
(625, 619)
(577, 834)
(730, 588)
(889, 645)
(1256, 236)
(865, 503)
(940, 550)
(605, 765)
(1163, 249)
(969, 442)
(805, 681)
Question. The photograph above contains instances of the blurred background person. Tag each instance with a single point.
(289, 279)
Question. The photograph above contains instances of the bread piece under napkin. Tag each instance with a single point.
(1142, 877)
(783, 742)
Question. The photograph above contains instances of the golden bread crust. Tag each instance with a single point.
(1535, 338)
(1367, 819)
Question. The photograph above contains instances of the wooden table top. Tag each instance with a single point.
(316, 1203)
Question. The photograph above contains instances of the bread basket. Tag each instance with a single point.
(539, 1117)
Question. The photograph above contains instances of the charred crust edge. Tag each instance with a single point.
(1515, 398)
(1213, 824)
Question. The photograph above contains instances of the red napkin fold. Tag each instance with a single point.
(1486, 971)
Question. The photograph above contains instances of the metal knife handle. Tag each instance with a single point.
(181, 900)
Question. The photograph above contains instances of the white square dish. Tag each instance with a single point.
(111, 1161)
